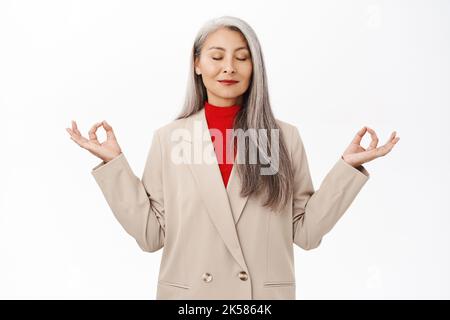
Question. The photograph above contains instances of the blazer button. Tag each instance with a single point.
(243, 275)
(207, 277)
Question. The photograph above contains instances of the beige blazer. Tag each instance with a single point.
(216, 244)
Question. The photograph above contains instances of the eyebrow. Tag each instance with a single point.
(220, 48)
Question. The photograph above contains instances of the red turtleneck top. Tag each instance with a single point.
(221, 118)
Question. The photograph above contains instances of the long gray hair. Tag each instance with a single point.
(255, 113)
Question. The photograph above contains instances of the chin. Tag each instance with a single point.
(230, 93)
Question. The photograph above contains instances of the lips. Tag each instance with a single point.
(228, 81)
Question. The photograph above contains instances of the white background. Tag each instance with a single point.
(333, 67)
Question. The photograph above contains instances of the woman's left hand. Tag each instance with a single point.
(356, 155)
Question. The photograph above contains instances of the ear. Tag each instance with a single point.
(197, 69)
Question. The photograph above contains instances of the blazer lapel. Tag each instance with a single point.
(237, 202)
(224, 205)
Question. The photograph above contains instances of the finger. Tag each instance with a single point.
(80, 140)
(393, 134)
(374, 142)
(383, 150)
(391, 138)
(76, 140)
(393, 142)
(70, 131)
(359, 135)
(75, 128)
(109, 131)
(92, 134)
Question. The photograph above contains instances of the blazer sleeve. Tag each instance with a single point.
(316, 212)
(137, 204)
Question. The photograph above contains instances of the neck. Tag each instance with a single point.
(221, 102)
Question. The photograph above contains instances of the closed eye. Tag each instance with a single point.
(236, 58)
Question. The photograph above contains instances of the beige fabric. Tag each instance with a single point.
(216, 244)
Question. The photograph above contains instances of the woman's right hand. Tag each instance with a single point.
(106, 150)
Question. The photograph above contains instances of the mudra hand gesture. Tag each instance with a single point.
(356, 155)
(106, 150)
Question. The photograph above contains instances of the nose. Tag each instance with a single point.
(228, 66)
(229, 70)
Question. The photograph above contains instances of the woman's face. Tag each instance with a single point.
(225, 56)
